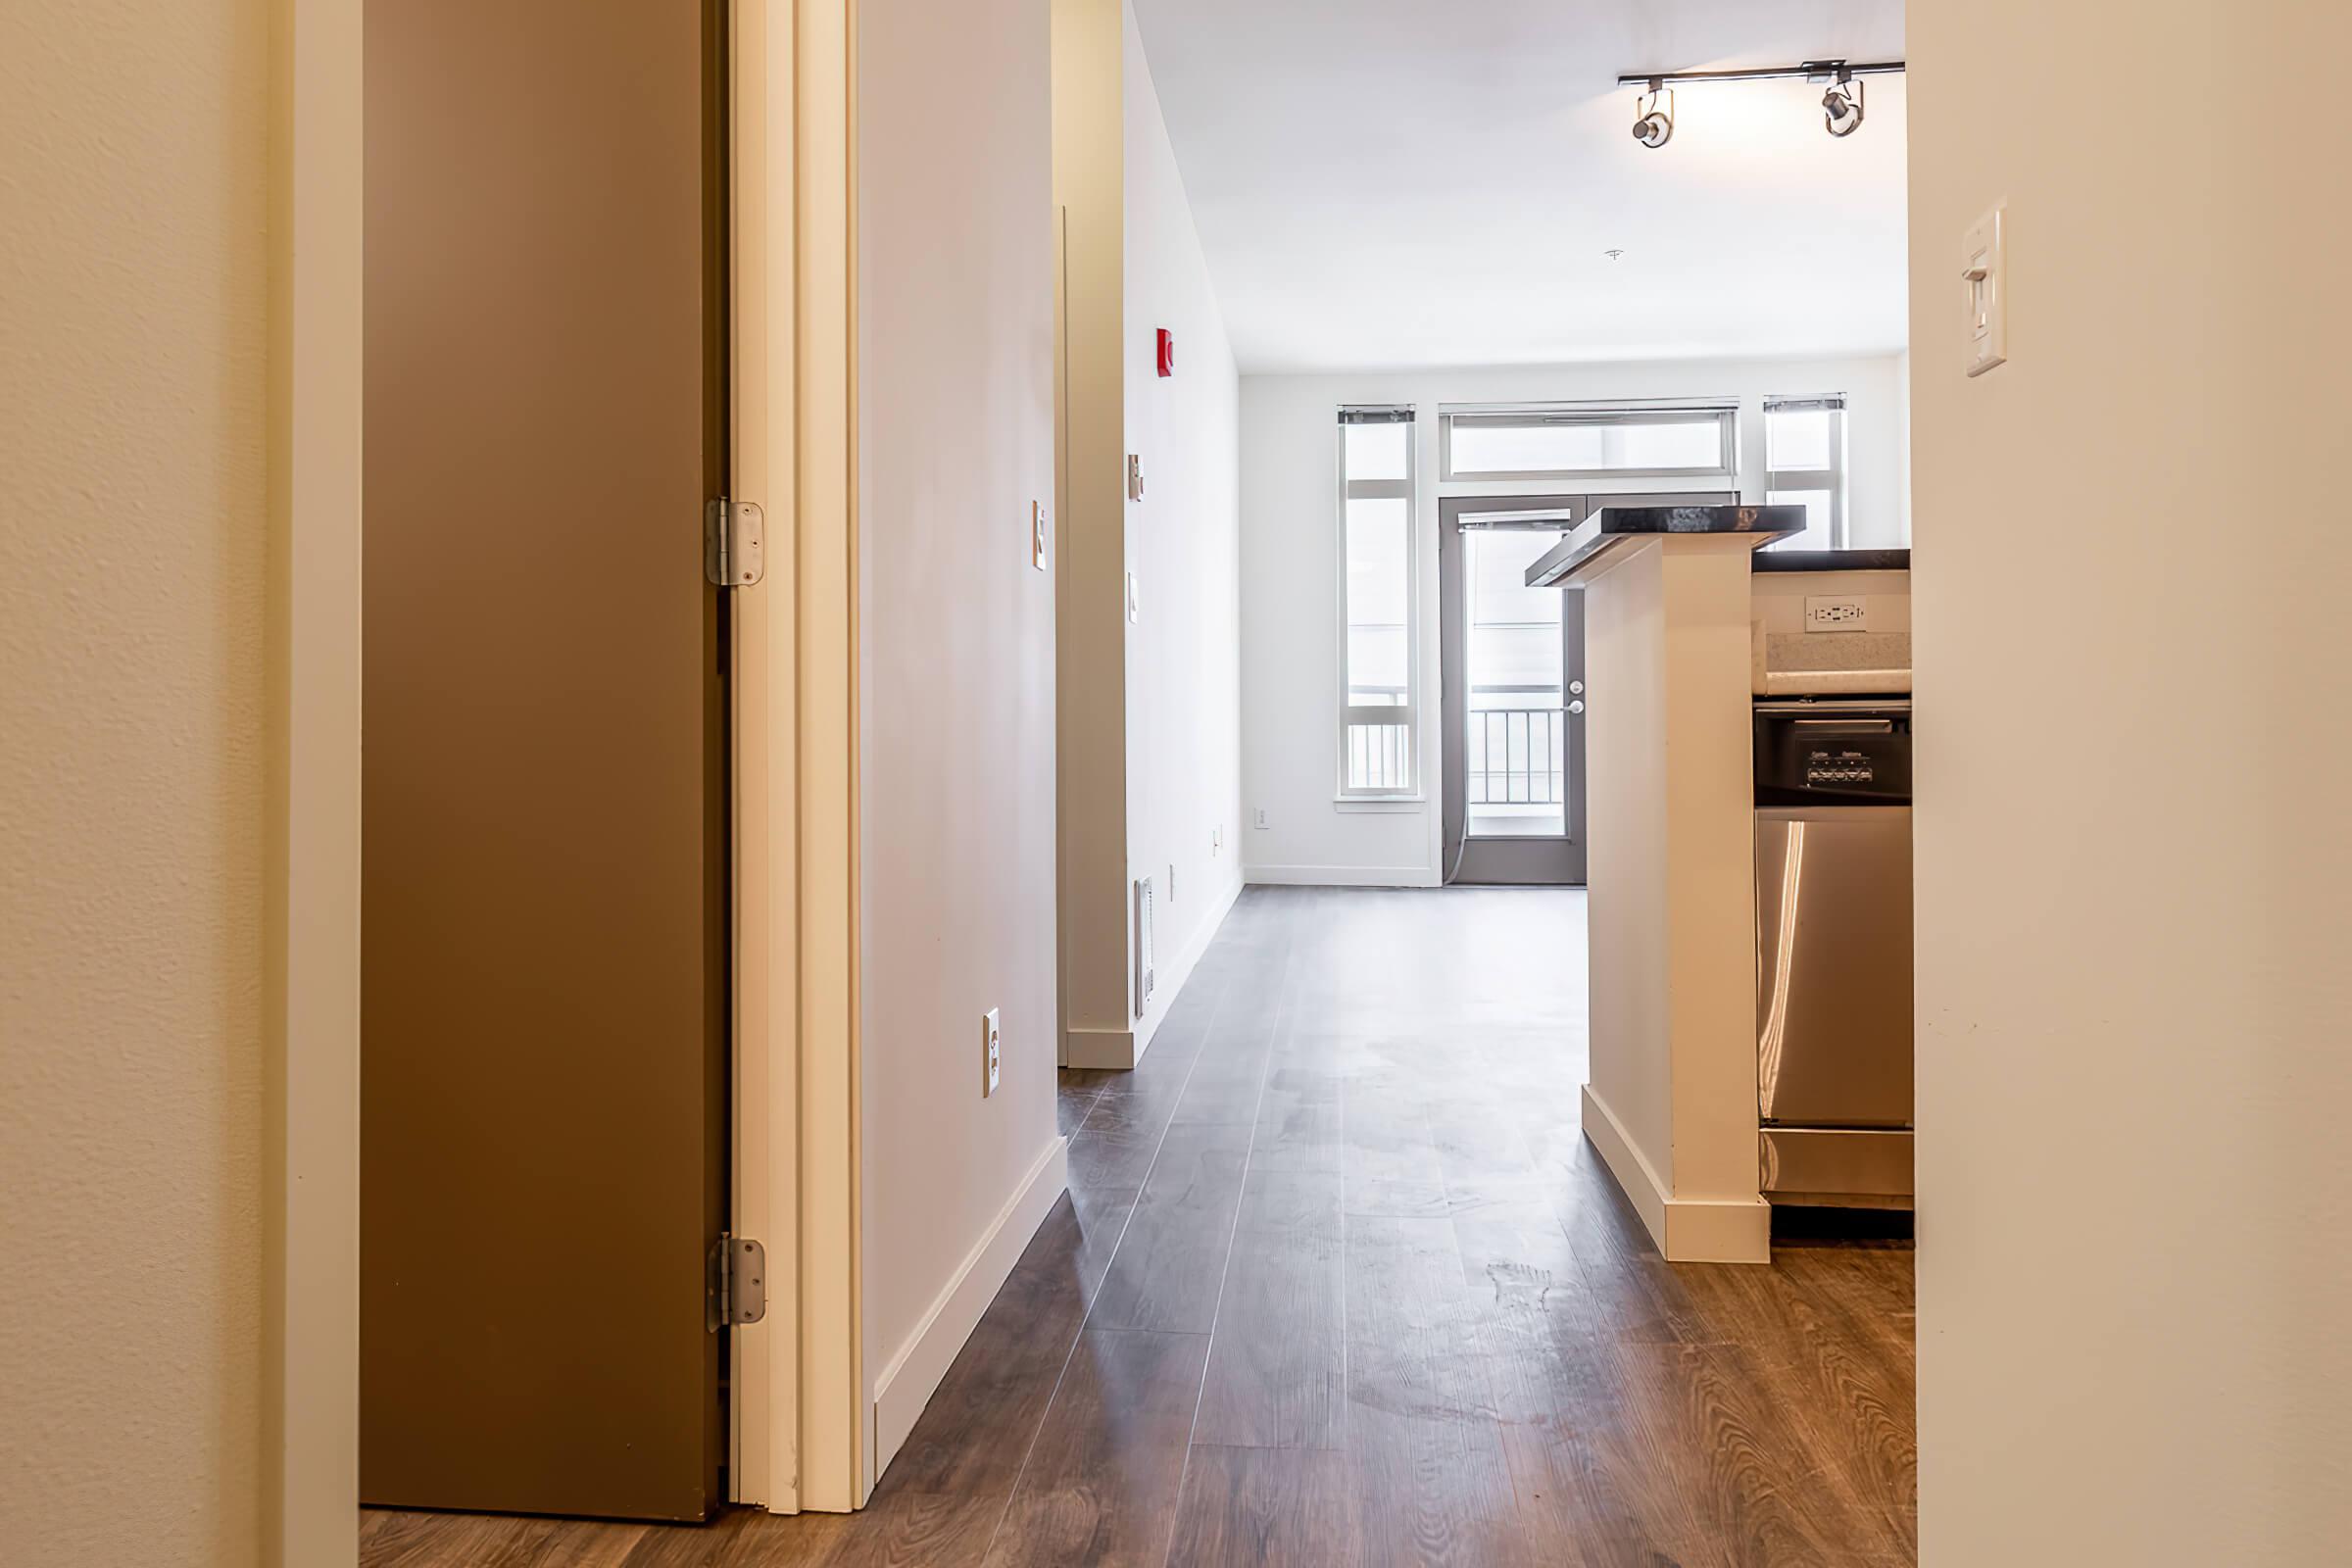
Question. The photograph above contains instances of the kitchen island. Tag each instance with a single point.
(1670, 1101)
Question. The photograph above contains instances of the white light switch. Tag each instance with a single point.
(1985, 269)
(1037, 534)
(1135, 604)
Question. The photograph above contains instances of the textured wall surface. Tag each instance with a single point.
(133, 559)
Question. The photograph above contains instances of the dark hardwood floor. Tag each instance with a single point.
(1338, 1282)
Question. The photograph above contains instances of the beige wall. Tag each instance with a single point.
(1183, 654)
(955, 703)
(2134, 1188)
(134, 811)
(1089, 190)
(1149, 709)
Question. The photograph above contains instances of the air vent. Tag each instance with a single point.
(1143, 946)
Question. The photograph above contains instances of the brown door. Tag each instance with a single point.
(544, 987)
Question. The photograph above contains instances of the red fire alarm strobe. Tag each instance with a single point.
(1167, 352)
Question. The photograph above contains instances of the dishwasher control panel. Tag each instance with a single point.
(1832, 752)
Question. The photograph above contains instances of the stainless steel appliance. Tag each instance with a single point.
(1833, 949)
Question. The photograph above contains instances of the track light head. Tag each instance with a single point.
(1842, 107)
(1654, 127)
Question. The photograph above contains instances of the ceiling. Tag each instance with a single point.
(1392, 184)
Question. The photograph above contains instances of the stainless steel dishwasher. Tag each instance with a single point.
(1833, 950)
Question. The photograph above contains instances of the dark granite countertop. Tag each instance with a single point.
(1612, 527)
(1833, 560)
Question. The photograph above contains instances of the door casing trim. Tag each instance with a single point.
(803, 1128)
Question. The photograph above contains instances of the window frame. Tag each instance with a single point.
(1722, 413)
(1409, 712)
(1831, 478)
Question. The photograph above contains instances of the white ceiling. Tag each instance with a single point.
(1390, 183)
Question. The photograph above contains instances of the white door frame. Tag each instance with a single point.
(803, 1407)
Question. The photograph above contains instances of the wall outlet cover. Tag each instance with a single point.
(1837, 615)
(1260, 819)
(992, 1052)
(1037, 534)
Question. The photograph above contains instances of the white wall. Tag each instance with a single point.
(2135, 1182)
(1149, 709)
(1182, 544)
(956, 831)
(1290, 574)
(136, 811)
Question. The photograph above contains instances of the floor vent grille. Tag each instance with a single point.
(1143, 946)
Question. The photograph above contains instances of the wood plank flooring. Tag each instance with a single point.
(1340, 1283)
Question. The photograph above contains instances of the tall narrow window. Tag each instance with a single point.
(1804, 465)
(1379, 612)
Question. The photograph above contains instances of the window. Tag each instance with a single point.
(1804, 465)
(1379, 612)
(1688, 440)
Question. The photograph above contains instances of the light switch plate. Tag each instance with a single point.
(1135, 602)
(1985, 274)
(1037, 534)
(991, 1048)
(1135, 476)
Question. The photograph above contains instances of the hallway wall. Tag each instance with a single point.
(1149, 716)
(955, 771)
(1184, 699)
(1290, 574)
(2134, 1188)
(136, 808)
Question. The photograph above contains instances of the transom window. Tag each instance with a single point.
(1680, 440)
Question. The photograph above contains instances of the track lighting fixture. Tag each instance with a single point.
(1841, 103)
(1655, 127)
(1841, 106)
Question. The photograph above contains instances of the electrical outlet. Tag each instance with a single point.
(1837, 615)
(1135, 476)
(991, 1049)
(1037, 534)
(1259, 820)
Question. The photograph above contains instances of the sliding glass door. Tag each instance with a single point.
(1513, 693)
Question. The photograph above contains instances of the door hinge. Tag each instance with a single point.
(738, 1281)
(734, 543)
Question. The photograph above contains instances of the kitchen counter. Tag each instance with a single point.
(1612, 528)
(1833, 560)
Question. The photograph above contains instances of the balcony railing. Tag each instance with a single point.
(1380, 757)
(1518, 757)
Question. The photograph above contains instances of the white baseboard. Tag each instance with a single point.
(1687, 1230)
(1341, 876)
(1122, 1048)
(1098, 1048)
(912, 1376)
